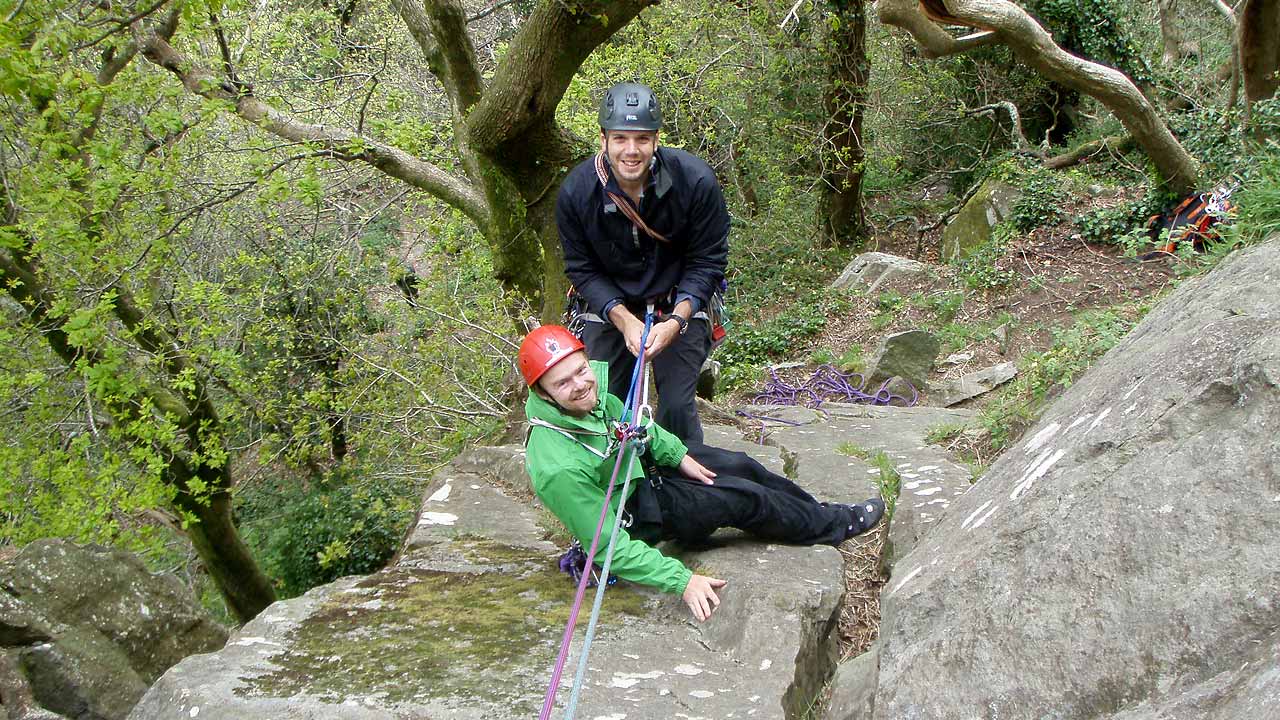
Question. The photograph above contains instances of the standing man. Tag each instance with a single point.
(642, 224)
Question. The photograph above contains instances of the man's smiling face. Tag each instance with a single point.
(571, 384)
(629, 153)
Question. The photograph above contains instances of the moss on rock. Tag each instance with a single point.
(408, 633)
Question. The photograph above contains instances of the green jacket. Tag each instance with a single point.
(571, 481)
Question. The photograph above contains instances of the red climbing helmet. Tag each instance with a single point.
(543, 348)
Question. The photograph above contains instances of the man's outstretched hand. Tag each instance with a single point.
(700, 596)
(695, 470)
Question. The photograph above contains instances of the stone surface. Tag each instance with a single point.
(971, 385)
(1120, 561)
(467, 622)
(88, 628)
(21, 624)
(909, 355)
(971, 227)
(824, 448)
(853, 693)
(708, 376)
(873, 269)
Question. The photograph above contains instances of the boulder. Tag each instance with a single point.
(971, 385)
(971, 227)
(871, 270)
(89, 628)
(1120, 561)
(909, 355)
(708, 376)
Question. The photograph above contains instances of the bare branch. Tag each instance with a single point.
(491, 9)
(933, 40)
(1034, 46)
(1019, 138)
(1111, 143)
(455, 191)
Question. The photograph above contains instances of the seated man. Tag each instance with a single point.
(571, 456)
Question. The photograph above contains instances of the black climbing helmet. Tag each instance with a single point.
(630, 106)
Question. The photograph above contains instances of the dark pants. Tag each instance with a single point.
(745, 495)
(675, 372)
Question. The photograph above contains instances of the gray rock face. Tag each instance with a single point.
(873, 269)
(972, 385)
(909, 355)
(89, 628)
(971, 227)
(1120, 562)
(708, 377)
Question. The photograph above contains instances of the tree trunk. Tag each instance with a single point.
(1259, 50)
(245, 588)
(843, 216)
(1176, 46)
(1012, 26)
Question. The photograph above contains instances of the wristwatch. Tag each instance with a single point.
(684, 324)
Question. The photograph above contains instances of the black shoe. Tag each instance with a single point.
(864, 516)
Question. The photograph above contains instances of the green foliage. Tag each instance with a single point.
(1094, 29)
(981, 270)
(1123, 225)
(1041, 201)
(341, 525)
(1258, 200)
(889, 482)
(954, 336)
(1041, 374)
(853, 450)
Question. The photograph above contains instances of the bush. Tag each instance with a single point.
(332, 528)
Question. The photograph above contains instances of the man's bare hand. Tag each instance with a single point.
(695, 470)
(700, 596)
(629, 325)
(661, 336)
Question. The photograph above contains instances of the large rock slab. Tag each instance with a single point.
(1120, 561)
(87, 628)
(971, 385)
(467, 622)
(909, 355)
(972, 226)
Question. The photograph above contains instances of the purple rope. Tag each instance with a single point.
(826, 383)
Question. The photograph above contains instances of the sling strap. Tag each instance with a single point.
(624, 203)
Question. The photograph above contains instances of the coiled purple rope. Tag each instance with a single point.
(826, 384)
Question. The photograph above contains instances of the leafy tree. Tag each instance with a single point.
(507, 151)
(1003, 22)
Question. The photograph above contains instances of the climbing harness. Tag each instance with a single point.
(630, 436)
(826, 383)
(1193, 219)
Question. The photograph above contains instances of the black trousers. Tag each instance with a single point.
(675, 372)
(746, 495)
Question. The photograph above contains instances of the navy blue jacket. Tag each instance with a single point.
(609, 262)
